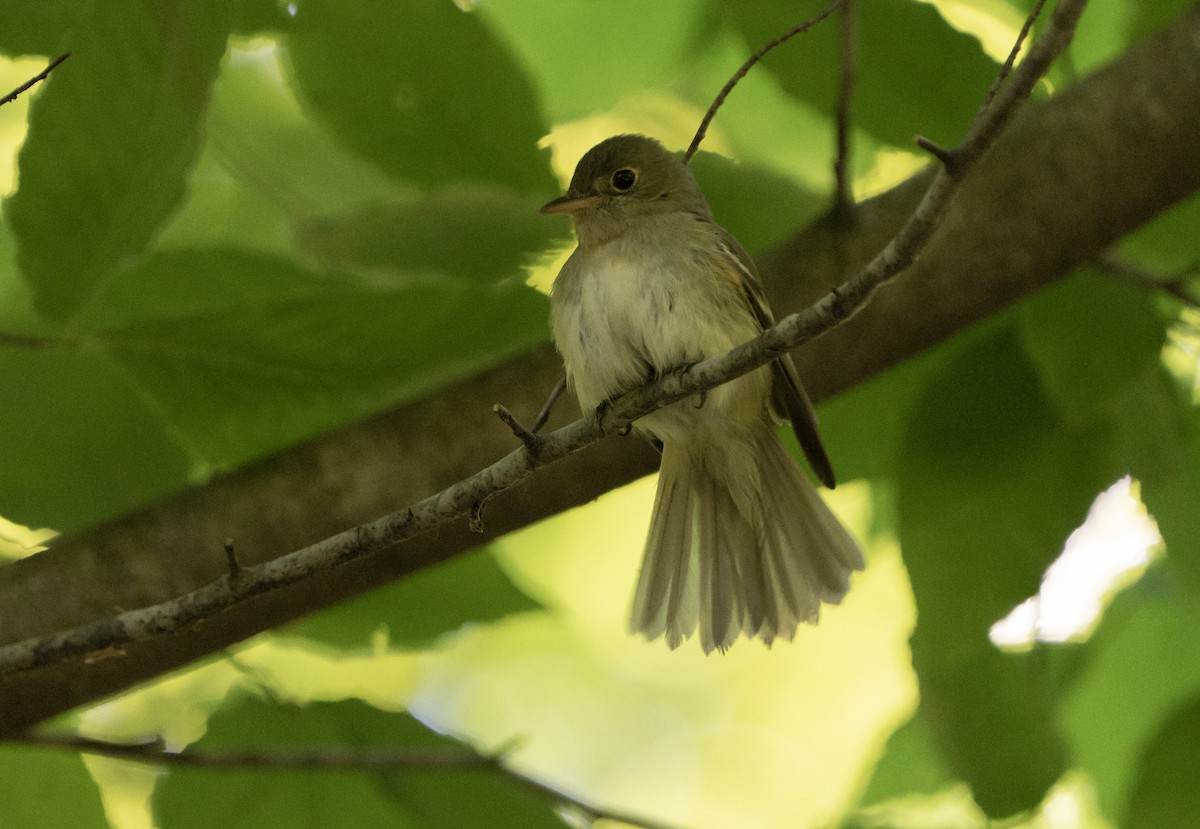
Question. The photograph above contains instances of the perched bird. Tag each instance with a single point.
(739, 542)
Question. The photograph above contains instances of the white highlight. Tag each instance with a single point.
(1109, 551)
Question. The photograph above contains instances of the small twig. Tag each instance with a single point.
(746, 67)
(1174, 285)
(334, 758)
(533, 442)
(947, 157)
(548, 406)
(1011, 60)
(235, 566)
(843, 199)
(41, 76)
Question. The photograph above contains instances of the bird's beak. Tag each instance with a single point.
(570, 203)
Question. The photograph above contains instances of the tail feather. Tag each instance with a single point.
(740, 542)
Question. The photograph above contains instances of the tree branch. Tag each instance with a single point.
(331, 758)
(41, 76)
(1056, 190)
(244, 583)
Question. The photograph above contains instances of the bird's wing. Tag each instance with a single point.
(788, 398)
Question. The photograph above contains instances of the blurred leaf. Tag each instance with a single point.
(47, 789)
(916, 74)
(1166, 795)
(1173, 498)
(991, 485)
(259, 17)
(911, 764)
(433, 797)
(39, 27)
(1090, 337)
(79, 440)
(1144, 663)
(481, 233)
(246, 354)
(1150, 17)
(430, 95)
(586, 56)
(105, 170)
(1169, 243)
(471, 589)
(760, 208)
(863, 427)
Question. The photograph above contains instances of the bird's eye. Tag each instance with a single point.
(624, 178)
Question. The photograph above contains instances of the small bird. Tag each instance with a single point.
(739, 542)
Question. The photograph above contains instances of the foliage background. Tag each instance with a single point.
(235, 226)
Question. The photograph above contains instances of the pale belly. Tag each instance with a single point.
(620, 320)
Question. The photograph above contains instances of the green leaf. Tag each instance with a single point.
(737, 194)
(1172, 498)
(246, 354)
(916, 74)
(431, 95)
(992, 482)
(1090, 338)
(911, 764)
(481, 233)
(46, 789)
(1166, 795)
(432, 797)
(1168, 244)
(1150, 17)
(111, 138)
(416, 610)
(80, 443)
(586, 56)
(39, 27)
(1144, 663)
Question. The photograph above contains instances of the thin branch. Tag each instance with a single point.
(456, 501)
(1011, 60)
(548, 406)
(843, 199)
(1174, 285)
(702, 130)
(529, 437)
(41, 76)
(373, 759)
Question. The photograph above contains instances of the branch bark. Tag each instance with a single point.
(1067, 180)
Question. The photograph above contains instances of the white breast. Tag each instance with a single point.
(622, 311)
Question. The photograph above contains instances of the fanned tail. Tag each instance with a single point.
(740, 543)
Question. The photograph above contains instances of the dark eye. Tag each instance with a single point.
(624, 178)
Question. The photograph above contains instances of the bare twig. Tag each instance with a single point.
(458, 500)
(533, 442)
(334, 758)
(848, 57)
(1174, 285)
(548, 406)
(41, 76)
(746, 67)
(1011, 60)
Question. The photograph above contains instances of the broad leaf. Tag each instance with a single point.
(80, 441)
(427, 109)
(416, 610)
(47, 788)
(246, 353)
(39, 27)
(481, 233)
(912, 763)
(111, 138)
(991, 483)
(1166, 795)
